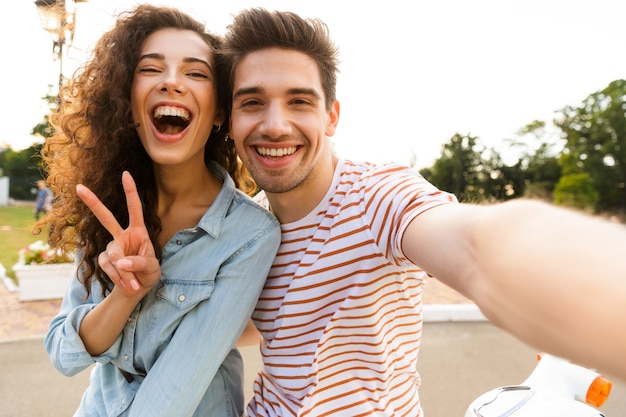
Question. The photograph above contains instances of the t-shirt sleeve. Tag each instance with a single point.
(394, 196)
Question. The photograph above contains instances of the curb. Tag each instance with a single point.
(8, 282)
(437, 313)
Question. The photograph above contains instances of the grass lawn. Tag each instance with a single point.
(15, 233)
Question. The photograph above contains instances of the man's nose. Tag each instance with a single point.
(276, 121)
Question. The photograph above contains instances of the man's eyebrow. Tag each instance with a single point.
(162, 57)
(292, 91)
(247, 90)
(304, 91)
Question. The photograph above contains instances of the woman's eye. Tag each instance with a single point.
(198, 75)
(148, 69)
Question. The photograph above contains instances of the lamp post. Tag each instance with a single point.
(60, 23)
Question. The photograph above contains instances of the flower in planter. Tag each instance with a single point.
(39, 252)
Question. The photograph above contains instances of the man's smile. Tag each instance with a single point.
(276, 151)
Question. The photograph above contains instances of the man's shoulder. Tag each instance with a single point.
(261, 199)
(368, 170)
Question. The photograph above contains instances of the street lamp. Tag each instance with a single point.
(60, 24)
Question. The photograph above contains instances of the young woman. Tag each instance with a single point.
(146, 111)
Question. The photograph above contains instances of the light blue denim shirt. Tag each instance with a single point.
(181, 335)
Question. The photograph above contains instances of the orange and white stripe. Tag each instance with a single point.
(341, 312)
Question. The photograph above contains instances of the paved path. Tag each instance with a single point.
(459, 360)
(19, 320)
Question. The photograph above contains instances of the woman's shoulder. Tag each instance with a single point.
(254, 207)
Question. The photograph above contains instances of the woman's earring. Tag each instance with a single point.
(226, 138)
(218, 128)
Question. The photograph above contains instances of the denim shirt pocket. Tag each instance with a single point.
(185, 294)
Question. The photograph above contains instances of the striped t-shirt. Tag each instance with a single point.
(341, 311)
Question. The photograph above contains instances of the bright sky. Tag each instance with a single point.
(412, 75)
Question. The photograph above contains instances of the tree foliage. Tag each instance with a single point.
(476, 174)
(595, 134)
(460, 168)
(537, 171)
(576, 191)
(23, 168)
(583, 165)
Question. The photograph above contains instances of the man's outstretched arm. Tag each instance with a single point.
(555, 278)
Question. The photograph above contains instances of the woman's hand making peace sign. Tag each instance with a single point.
(129, 259)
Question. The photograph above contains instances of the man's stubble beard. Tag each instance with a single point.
(281, 182)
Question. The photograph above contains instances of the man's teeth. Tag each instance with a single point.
(276, 152)
(171, 111)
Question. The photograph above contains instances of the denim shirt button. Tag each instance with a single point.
(125, 357)
(179, 242)
(181, 298)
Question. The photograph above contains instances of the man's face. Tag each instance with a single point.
(279, 121)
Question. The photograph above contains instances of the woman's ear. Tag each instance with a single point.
(220, 117)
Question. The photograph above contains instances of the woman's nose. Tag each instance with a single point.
(171, 83)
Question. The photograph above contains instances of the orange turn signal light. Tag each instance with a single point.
(598, 391)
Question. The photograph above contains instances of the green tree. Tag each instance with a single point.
(44, 129)
(537, 170)
(23, 169)
(542, 173)
(461, 169)
(595, 134)
(576, 191)
(495, 178)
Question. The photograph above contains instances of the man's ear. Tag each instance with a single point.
(333, 119)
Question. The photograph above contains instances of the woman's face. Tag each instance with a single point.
(173, 96)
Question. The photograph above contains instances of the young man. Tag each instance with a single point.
(340, 314)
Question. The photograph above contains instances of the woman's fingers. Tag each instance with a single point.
(99, 210)
(129, 259)
(107, 266)
(112, 262)
(133, 202)
(104, 215)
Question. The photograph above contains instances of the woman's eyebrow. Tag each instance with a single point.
(162, 57)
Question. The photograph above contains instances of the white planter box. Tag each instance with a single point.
(43, 282)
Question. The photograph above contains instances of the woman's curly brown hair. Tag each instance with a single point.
(96, 139)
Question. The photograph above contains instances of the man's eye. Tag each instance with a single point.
(301, 102)
(250, 103)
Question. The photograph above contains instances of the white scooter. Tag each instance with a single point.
(555, 388)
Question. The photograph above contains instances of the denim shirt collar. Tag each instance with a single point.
(213, 220)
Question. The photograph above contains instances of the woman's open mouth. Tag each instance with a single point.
(170, 120)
